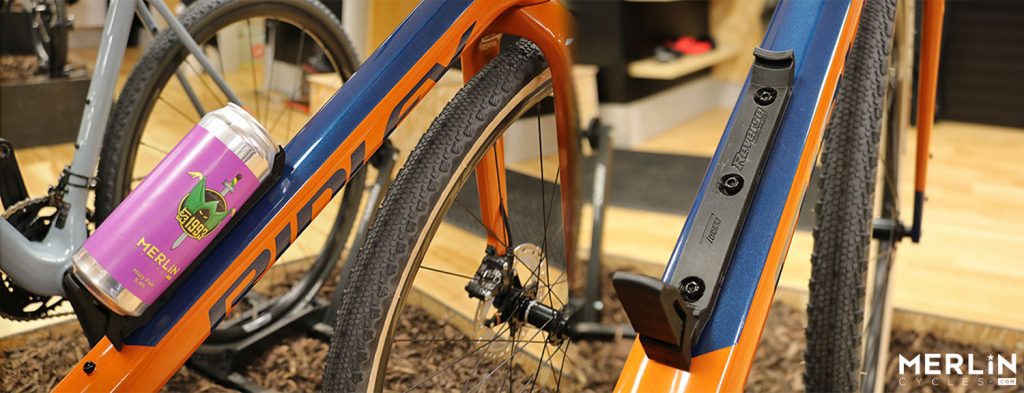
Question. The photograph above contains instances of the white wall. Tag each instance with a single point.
(637, 121)
(88, 21)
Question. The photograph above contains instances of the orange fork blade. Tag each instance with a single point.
(490, 171)
(549, 25)
(928, 75)
(492, 189)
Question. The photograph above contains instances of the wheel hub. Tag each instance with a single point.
(509, 292)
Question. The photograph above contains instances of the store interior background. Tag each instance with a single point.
(966, 273)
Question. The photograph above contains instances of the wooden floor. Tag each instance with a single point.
(970, 261)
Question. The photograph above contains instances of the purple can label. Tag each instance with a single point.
(170, 218)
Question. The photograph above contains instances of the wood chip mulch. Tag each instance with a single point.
(295, 365)
(18, 68)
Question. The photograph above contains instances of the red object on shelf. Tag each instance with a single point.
(688, 45)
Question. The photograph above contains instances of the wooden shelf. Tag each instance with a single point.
(649, 68)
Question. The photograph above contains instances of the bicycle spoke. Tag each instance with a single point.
(886, 254)
(890, 185)
(551, 200)
(551, 365)
(547, 219)
(544, 246)
(202, 80)
(252, 69)
(512, 354)
(488, 230)
(560, 280)
(476, 368)
(515, 351)
(536, 374)
(446, 272)
(270, 34)
(295, 91)
(534, 273)
(501, 204)
(481, 222)
(551, 289)
(220, 58)
(565, 354)
(188, 118)
(519, 344)
(448, 367)
(520, 349)
(543, 205)
(147, 144)
(561, 368)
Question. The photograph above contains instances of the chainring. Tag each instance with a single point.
(31, 217)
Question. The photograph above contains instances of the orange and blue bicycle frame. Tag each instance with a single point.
(820, 34)
(334, 144)
(355, 122)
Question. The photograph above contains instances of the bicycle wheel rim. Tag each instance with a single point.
(301, 276)
(519, 107)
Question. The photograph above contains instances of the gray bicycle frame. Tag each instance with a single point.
(39, 267)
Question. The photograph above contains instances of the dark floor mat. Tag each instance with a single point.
(527, 213)
(664, 183)
(668, 183)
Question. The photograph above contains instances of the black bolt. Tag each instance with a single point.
(4, 150)
(730, 184)
(89, 367)
(765, 96)
(692, 288)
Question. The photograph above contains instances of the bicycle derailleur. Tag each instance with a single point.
(32, 217)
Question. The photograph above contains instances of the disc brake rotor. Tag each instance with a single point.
(487, 322)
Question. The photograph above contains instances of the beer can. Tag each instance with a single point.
(174, 214)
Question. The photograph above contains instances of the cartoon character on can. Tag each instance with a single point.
(203, 209)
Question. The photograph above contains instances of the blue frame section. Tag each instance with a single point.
(811, 29)
(311, 147)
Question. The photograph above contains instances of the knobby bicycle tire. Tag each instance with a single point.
(842, 236)
(422, 192)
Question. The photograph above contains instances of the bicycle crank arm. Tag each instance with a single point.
(670, 316)
(12, 185)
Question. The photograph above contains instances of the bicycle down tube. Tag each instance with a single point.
(819, 34)
(334, 144)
